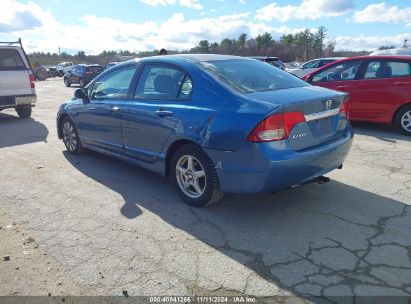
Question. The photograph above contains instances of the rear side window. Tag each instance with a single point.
(94, 69)
(11, 60)
(387, 69)
(163, 82)
(248, 76)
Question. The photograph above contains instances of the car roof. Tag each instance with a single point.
(14, 47)
(264, 57)
(381, 57)
(328, 58)
(375, 57)
(87, 65)
(191, 57)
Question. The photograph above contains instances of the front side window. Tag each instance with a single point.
(163, 82)
(339, 72)
(387, 69)
(248, 76)
(114, 85)
(11, 60)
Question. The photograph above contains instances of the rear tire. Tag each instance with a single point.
(81, 82)
(70, 137)
(194, 176)
(67, 82)
(24, 111)
(403, 120)
(60, 73)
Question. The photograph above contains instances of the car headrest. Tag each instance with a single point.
(165, 84)
(383, 72)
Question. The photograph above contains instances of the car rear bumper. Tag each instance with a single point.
(270, 167)
(7, 102)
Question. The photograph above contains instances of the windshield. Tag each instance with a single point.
(248, 76)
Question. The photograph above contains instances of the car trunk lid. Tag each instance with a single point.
(321, 108)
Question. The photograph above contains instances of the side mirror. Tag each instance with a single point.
(309, 79)
(80, 94)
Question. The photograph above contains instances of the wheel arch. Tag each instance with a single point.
(59, 124)
(172, 148)
(408, 104)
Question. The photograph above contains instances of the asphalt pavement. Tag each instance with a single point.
(113, 227)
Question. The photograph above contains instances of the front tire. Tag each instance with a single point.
(194, 176)
(67, 82)
(70, 137)
(403, 120)
(60, 73)
(24, 111)
(81, 82)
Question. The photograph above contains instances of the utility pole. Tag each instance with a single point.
(405, 43)
(59, 51)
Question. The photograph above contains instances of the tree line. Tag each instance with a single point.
(300, 46)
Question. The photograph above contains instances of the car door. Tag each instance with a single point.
(71, 75)
(384, 85)
(160, 101)
(100, 118)
(341, 76)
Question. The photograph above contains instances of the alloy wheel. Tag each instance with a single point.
(406, 121)
(191, 177)
(70, 136)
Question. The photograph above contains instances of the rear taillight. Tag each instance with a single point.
(89, 73)
(345, 108)
(275, 127)
(32, 81)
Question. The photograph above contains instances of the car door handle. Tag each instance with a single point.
(114, 109)
(402, 83)
(164, 113)
(343, 87)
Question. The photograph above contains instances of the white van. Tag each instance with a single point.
(17, 83)
(405, 51)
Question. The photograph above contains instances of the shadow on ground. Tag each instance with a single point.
(384, 132)
(16, 131)
(318, 240)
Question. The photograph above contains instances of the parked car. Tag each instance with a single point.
(292, 65)
(110, 65)
(82, 74)
(379, 87)
(311, 66)
(17, 83)
(63, 67)
(52, 71)
(213, 123)
(275, 61)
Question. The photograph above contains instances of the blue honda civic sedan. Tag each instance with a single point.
(212, 123)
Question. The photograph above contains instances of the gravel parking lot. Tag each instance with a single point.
(108, 226)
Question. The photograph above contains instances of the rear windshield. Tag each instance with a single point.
(10, 59)
(94, 69)
(248, 76)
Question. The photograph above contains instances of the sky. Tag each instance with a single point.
(139, 25)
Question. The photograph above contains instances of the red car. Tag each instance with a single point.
(379, 87)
